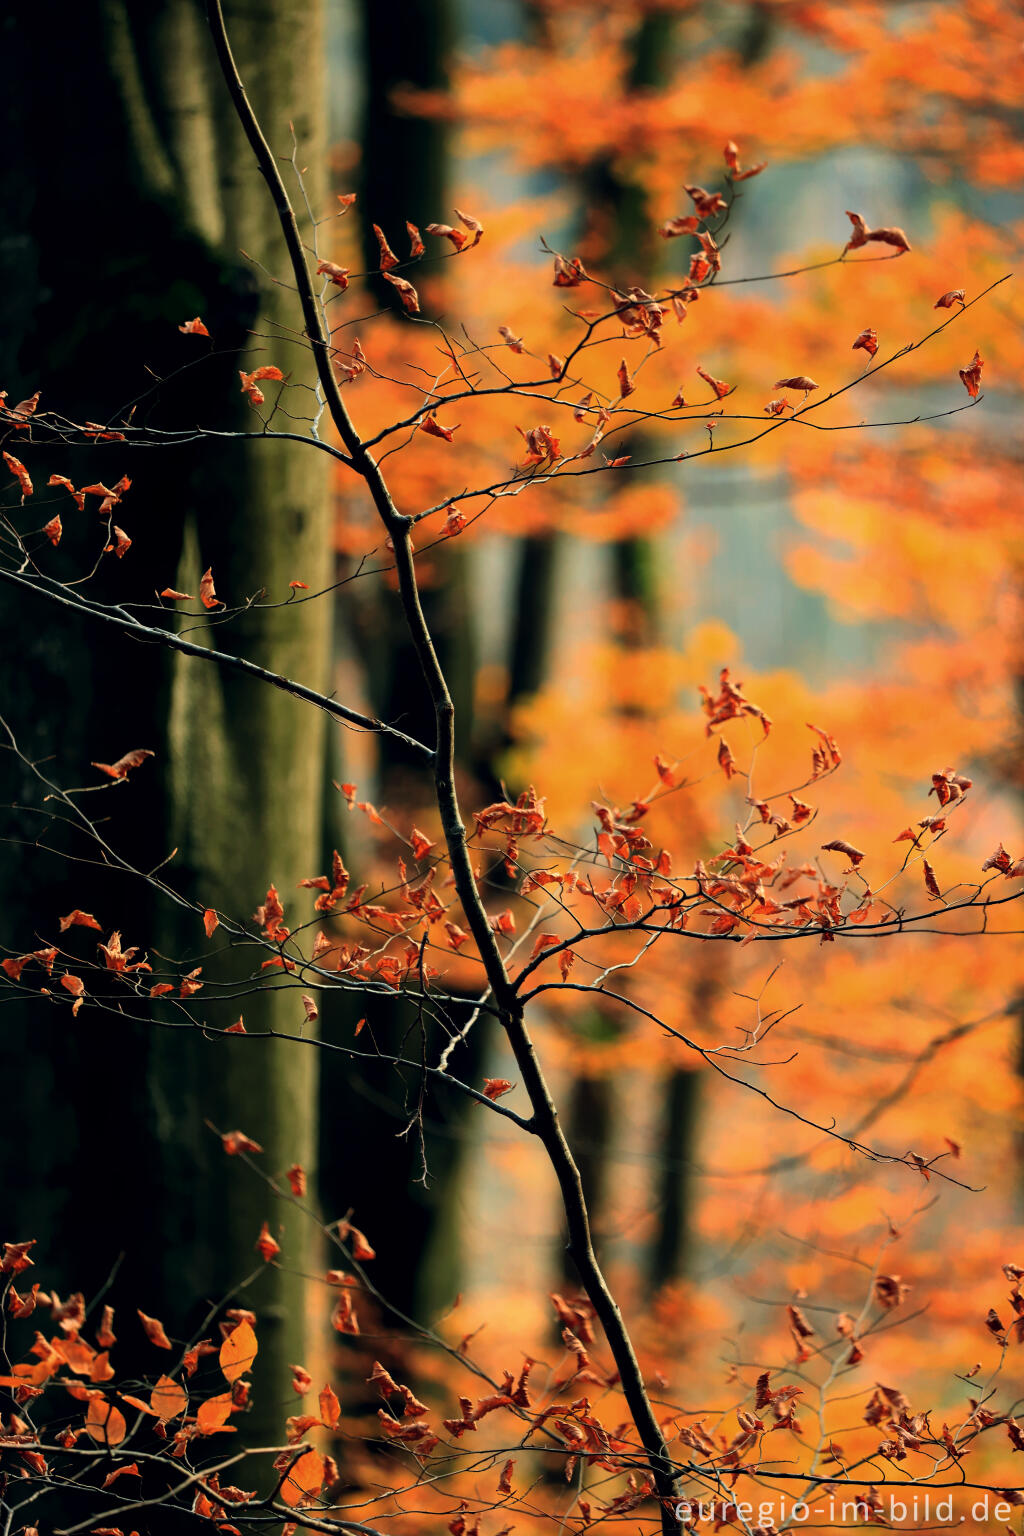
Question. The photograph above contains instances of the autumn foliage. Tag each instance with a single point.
(796, 883)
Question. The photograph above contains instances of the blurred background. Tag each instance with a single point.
(868, 581)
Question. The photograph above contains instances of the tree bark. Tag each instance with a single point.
(166, 186)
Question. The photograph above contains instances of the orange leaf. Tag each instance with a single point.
(168, 1398)
(78, 919)
(334, 274)
(304, 1480)
(131, 1470)
(238, 1351)
(194, 328)
(361, 1250)
(970, 377)
(207, 595)
(421, 845)
(210, 921)
(105, 1423)
(266, 1247)
(406, 292)
(800, 381)
(433, 428)
(542, 942)
(124, 765)
(154, 1330)
(719, 386)
(330, 1408)
(213, 1414)
(388, 259)
(20, 473)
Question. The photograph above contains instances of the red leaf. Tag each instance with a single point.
(207, 594)
(854, 855)
(361, 1250)
(335, 274)
(237, 1141)
(862, 234)
(194, 328)
(20, 473)
(799, 381)
(568, 274)
(954, 296)
(154, 1331)
(495, 1087)
(542, 942)
(970, 376)
(388, 259)
(720, 388)
(686, 224)
(266, 1246)
(121, 544)
(210, 921)
(330, 1408)
(732, 160)
(78, 919)
(421, 845)
(406, 292)
(867, 341)
(433, 428)
(79, 496)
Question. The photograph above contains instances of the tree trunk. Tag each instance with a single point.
(121, 1160)
(368, 1162)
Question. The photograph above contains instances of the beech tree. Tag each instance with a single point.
(522, 913)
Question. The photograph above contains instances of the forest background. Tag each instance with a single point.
(869, 582)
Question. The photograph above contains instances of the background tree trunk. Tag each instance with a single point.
(105, 1163)
(368, 1163)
